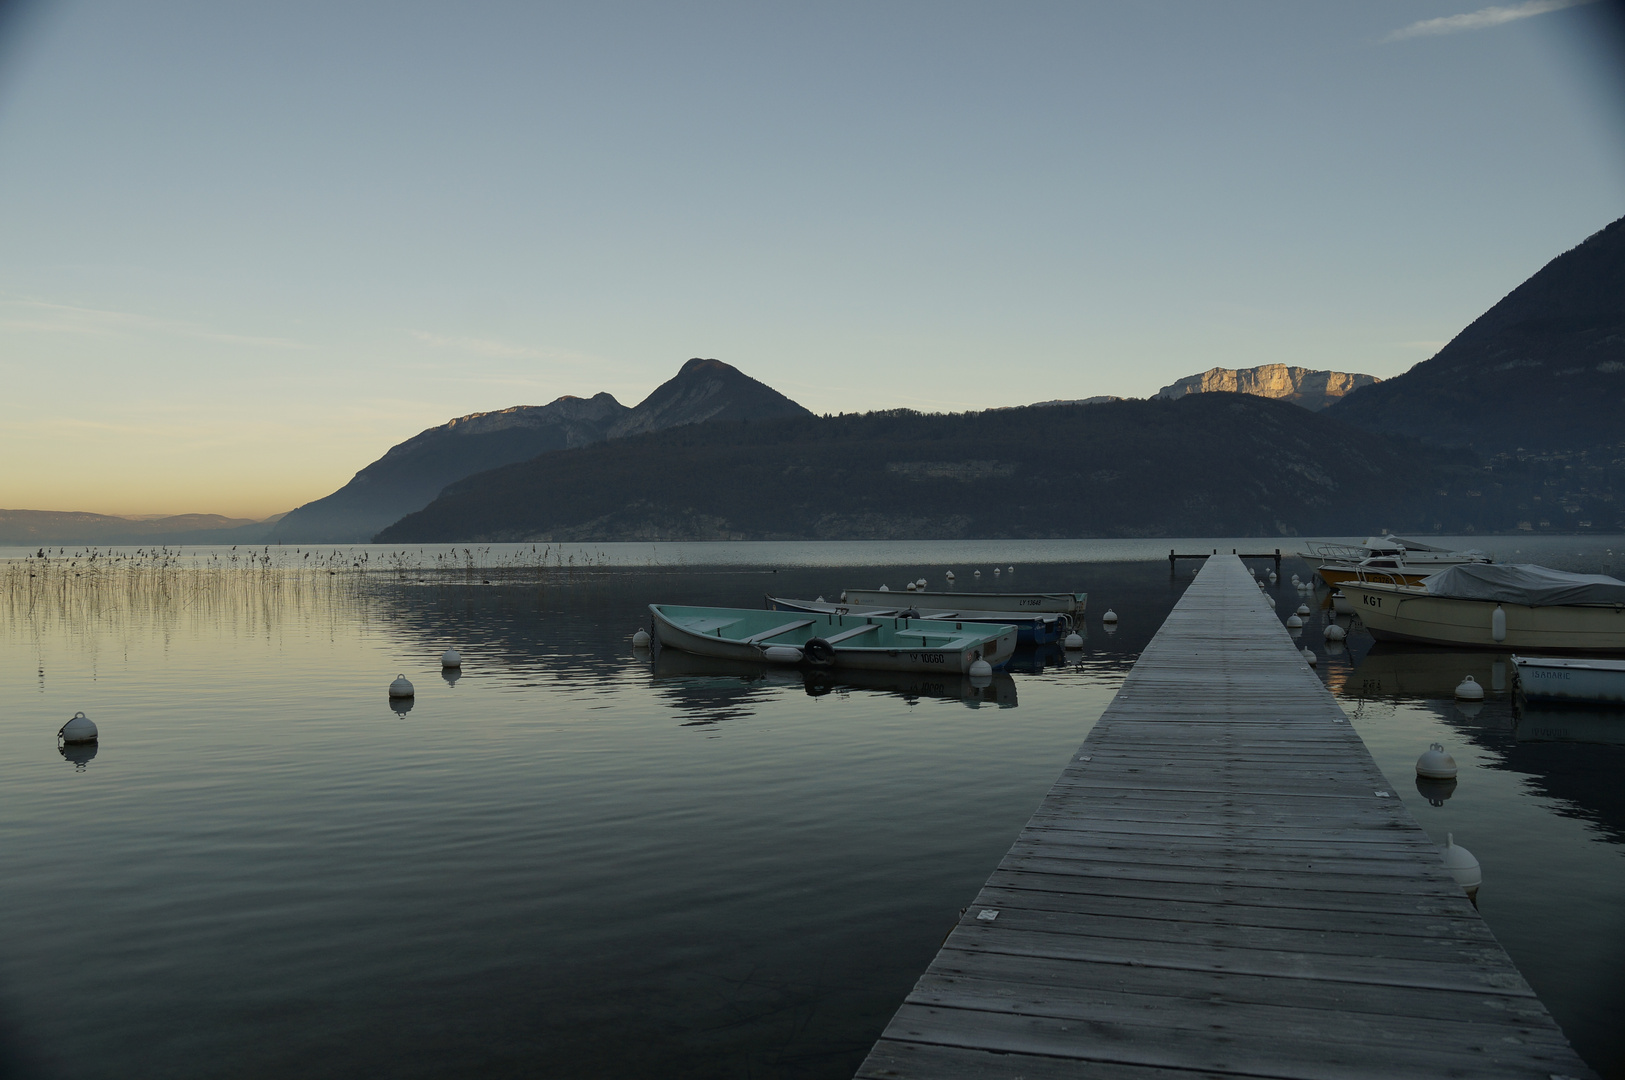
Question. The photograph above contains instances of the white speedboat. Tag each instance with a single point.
(1404, 560)
(1495, 606)
(1562, 678)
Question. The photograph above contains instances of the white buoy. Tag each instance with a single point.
(1309, 656)
(78, 730)
(1273, 578)
(1011, 569)
(909, 586)
(980, 669)
(1293, 622)
(451, 658)
(1074, 640)
(1110, 616)
(975, 573)
(921, 583)
(820, 598)
(1334, 632)
(401, 688)
(1469, 690)
(1303, 609)
(1462, 866)
(884, 589)
(950, 575)
(1498, 624)
(1435, 764)
(843, 596)
(995, 571)
(641, 639)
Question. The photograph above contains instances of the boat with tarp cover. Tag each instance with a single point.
(1032, 627)
(1495, 606)
(830, 640)
(1408, 561)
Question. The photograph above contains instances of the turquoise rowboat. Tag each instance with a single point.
(829, 640)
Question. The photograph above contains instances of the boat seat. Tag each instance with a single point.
(757, 639)
(854, 632)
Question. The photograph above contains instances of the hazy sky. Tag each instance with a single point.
(244, 249)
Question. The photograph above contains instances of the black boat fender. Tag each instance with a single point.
(818, 652)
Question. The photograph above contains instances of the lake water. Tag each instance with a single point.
(572, 860)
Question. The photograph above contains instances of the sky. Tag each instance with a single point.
(245, 249)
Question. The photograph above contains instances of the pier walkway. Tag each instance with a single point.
(1222, 884)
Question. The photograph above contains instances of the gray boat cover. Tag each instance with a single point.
(1525, 583)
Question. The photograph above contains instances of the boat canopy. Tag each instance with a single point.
(1525, 583)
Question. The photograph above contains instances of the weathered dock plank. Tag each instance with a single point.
(1222, 884)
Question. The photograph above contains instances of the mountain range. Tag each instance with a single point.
(1314, 390)
(412, 473)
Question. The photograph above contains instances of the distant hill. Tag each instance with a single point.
(1544, 369)
(37, 528)
(1205, 464)
(411, 474)
(1313, 390)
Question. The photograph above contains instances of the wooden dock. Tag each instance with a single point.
(1222, 884)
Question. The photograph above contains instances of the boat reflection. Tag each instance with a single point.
(1540, 722)
(1393, 670)
(695, 672)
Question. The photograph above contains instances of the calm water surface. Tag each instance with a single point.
(572, 860)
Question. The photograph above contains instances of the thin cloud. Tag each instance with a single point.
(1482, 19)
(497, 349)
(51, 318)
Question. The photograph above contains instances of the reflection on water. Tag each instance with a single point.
(615, 862)
(1538, 801)
(569, 851)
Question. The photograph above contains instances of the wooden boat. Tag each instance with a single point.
(1032, 627)
(828, 640)
(1496, 606)
(1406, 561)
(1580, 679)
(1068, 603)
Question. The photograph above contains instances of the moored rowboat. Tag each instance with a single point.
(831, 640)
(1032, 627)
(1552, 678)
(1066, 603)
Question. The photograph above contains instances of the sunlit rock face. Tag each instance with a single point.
(1314, 390)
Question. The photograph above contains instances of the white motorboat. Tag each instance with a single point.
(1410, 561)
(1495, 606)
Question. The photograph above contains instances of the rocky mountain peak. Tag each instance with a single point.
(1314, 390)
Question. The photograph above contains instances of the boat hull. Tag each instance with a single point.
(1059, 603)
(1394, 613)
(960, 644)
(1600, 682)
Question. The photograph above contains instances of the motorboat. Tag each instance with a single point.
(1409, 561)
(820, 639)
(1066, 603)
(1512, 606)
(1571, 678)
(1032, 627)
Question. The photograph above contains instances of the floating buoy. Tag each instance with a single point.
(451, 658)
(1309, 656)
(1074, 640)
(1462, 866)
(975, 573)
(401, 688)
(1469, 690)
(1293, 622)
(820, 599)
(1435, 764)
(950, 578)
(921, 583)
(995, 571)
(782, 654)
(78, 730)
(1273, 578)
(641, 639)
(1303, 609)
(1110, 616)
(1334, 632)
(1294, 579)
(843, 596)
(882, 589)
(1011, 569)
(1498, 624)
(909, 586)
(980, 669)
